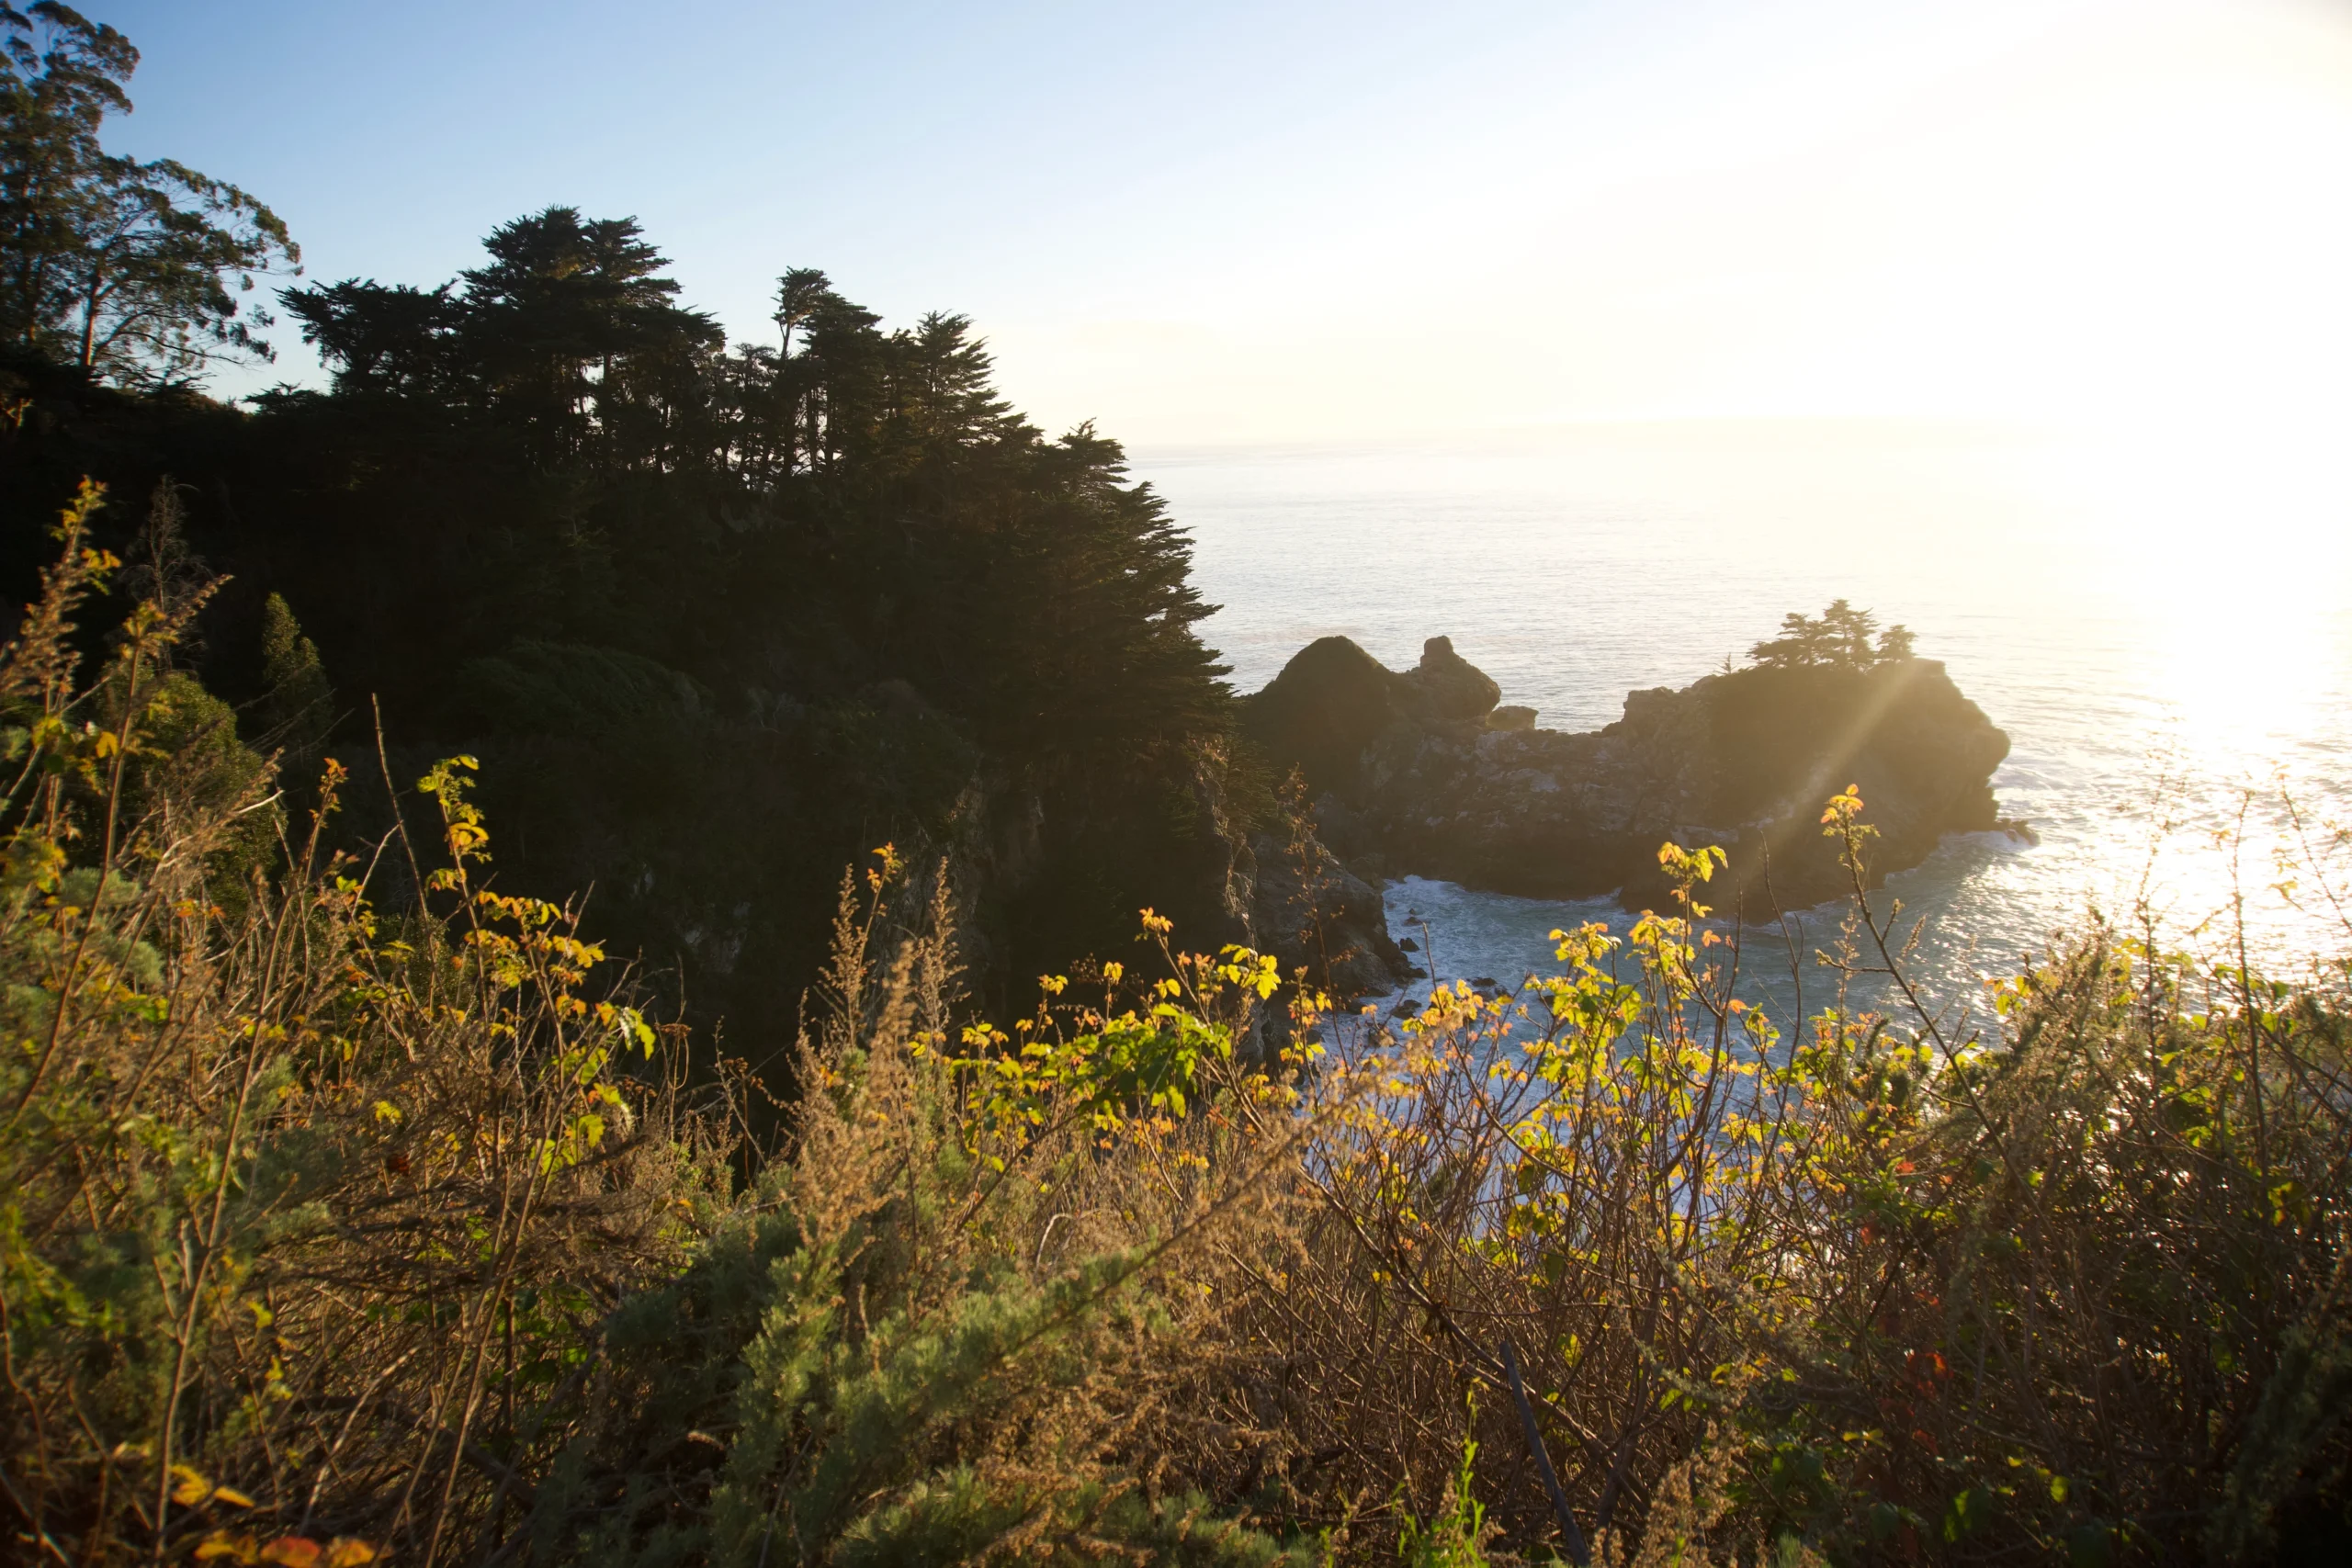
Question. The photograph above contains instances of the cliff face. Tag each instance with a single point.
(1312, 913)
(1419, 773)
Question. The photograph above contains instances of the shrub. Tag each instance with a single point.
(305, 1205)
(329, 1230)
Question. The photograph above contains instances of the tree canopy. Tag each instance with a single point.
(132, 271)
(1842, 637)
(717, 619)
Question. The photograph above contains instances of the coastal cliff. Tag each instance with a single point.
(1421, 771)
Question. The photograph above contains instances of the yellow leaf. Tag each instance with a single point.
(294, 1550)
(348, 1551)
(232, 1496)
(193, 1488)
(220, 1543)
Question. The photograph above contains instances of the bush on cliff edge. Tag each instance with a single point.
(329, 1230)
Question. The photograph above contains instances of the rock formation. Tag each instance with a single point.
(1312, 913)
(1421, 772)
(1446, 687)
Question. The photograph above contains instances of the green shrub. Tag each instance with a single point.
(329, 1230)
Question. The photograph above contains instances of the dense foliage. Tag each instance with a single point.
(122, 268)
(356, 1205)
(331, 1229)
(715, 619)
(1841, 637)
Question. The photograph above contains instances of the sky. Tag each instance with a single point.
(1213, 223)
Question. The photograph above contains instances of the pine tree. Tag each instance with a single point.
(382, 339)
(299, 706)
(1842, 638)
(567, 326)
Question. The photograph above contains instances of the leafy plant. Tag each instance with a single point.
(332, 1230)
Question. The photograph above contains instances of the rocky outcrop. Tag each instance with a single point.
(1446, 687)
(1326, 708)
(1218, 881)
(1314, 914)
(1420, 772)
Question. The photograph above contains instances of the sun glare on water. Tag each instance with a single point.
(2233, 555)
(2213, 562)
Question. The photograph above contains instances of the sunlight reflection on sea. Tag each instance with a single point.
(2156, 630)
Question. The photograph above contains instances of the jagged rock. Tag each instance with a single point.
(1331, 702)
(1449, 688)
(1008, 843)
(1511, 719)
(1323, 917)
(1743, 760)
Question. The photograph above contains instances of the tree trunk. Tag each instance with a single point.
(90, 322)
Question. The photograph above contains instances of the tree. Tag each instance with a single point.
(59, 77)
(149, 284)
(378, 338)
(812, 390)
(1848, 632)
(299, 703)
(570, 325)
(1841, 638)
(799, 294)
(130, 270)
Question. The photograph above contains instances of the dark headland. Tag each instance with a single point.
(1426, 772)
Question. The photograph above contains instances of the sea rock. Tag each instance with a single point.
(1331, 702)
(1743, 760)
(1447, 687)
(1312, 913)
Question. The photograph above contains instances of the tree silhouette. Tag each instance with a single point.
(1843, 638)
(132, 271)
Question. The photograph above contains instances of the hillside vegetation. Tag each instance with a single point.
(336, 1229)
(456, 1109)
(715, 618)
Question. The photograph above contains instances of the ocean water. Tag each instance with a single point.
(2163, 624)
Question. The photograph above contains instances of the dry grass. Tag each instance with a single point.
(331, 1228)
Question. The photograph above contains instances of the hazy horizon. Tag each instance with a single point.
(1306, 223)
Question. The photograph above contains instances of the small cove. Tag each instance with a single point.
(2156, 636)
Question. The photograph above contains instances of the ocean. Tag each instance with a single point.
(2163, 624)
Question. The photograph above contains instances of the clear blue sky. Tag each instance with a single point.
(1212, 221)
